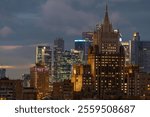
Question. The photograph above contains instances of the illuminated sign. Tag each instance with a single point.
(36, 69)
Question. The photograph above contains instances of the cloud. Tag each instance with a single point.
(117, 17)
(122, 23)
(10, 47)
(7, 67)
(59, 16)
(6, 31)
(23, 66)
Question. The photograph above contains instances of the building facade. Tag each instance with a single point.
(40, 80)
(44, 57)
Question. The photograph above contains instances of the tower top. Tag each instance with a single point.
(106, 26)
(106, 18)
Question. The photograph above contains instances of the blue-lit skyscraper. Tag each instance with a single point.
(83, 45)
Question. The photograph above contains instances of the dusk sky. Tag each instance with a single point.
(27, 23)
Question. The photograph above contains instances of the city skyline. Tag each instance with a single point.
(28, 23)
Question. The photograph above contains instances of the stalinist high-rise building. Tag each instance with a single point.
(107, 59)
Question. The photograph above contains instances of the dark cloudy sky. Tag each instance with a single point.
(27, 23)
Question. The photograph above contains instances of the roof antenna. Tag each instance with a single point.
(106, 5)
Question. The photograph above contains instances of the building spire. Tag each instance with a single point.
(107, 26)
(106, 18)
(106, 5)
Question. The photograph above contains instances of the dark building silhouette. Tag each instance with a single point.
(11, 89)
(62, 90)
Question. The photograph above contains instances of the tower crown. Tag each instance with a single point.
(106, 18)
(106, 26)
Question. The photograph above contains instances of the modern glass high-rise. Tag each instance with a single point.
(83, 46)
(145, 56)
(135, 49)
(140, 53)
(58, 50)
(66, 61)
(59, 42)
(44, 57)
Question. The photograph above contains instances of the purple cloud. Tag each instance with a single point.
(6, 31)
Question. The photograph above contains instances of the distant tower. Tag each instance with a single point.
(59, 42)
(140, 53)
(57, 52)
(44, 57)
(2, 73)
(135, 49)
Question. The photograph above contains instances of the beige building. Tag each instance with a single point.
(40, 80)
(62, 90)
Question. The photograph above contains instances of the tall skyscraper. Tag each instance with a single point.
(140, 53)
(83, 46)
(44, 57)
(57, 52)
(64, 68)
(66, 60)
(127, 52)
(144, 57)
(59, 42)
(107, 60)
(135, 49)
